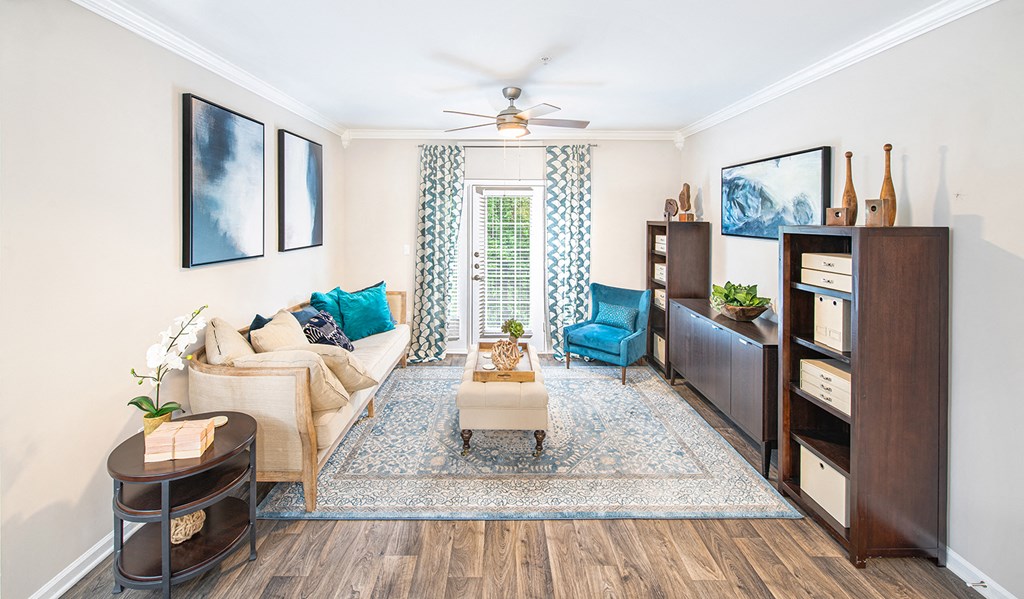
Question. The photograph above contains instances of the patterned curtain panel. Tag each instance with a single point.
(568, 238)
(441, 173)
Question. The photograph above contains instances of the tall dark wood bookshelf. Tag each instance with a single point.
(687, 260)
(892, 447)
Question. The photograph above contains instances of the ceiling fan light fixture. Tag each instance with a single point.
(512, 130)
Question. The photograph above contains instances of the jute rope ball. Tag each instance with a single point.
(184, 527)
(505, 355)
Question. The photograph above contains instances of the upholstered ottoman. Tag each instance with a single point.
(501, 405)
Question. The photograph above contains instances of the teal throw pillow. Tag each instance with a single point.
(620, 317)
(364, 312)
(327, 302)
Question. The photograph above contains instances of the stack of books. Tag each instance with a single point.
(180, 440)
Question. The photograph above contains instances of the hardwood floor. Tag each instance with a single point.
(712, 559)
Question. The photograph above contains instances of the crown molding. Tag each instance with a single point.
(587, 134)
(909, 28)
(189, 50)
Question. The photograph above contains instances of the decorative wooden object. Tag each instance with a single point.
(687, 263)
(505, 355)
(179, 440)
(671, 208)
(891, 449)
(161, 492)
(849, 193)
(888, 193)
(734, 365)
(840, 217)
(878, 213)
(742, 313)
(685, 206)
(525, 371)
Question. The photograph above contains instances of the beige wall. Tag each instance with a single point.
(630, 181)
(950, 102)
(90, 223)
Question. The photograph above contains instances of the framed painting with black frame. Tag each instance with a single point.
(223, 188)
(760, 196)
(300, 192)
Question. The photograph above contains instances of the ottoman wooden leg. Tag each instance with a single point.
(540, 442)
(466, 435)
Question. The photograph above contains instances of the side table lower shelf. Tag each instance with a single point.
(226, 526)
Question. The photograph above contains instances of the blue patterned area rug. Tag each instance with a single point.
(612, 451)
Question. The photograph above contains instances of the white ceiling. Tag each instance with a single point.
(649, 65)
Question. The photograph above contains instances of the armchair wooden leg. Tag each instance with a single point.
(568, 358)
(623, 375)
(369, 409)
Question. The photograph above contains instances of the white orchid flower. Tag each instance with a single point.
(174, 361)
(155, 355)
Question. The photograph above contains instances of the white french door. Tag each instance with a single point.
(500, 270)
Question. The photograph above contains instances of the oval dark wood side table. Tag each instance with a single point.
(156, 492)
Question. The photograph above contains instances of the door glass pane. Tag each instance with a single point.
(507, 278)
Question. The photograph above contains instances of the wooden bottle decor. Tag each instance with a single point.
(684, 205)
(888, 193)
(849, 193)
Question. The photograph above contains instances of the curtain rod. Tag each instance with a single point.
(501, 147)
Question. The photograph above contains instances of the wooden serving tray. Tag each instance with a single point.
(525, 371)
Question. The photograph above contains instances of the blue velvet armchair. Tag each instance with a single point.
(617, 330)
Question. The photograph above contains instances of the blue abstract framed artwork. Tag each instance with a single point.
(300, 197)
(760, 196)
(223, 185)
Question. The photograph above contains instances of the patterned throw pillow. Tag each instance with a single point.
(323, 330)
(620, 317)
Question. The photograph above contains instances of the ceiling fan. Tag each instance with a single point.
(512, 122)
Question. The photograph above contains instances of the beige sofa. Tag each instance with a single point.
(293, 442)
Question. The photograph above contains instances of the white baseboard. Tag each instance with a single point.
(966, 571)
(77, 570)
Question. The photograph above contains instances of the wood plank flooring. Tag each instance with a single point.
(699, 559)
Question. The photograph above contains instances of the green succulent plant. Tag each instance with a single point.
(513, 327)
(737, 295)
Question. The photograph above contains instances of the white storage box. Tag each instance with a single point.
(829, 280)
(825, 485)
(826, 381)
(659, 298)
(659, 349)
(835, 263)
(660, 273)
(832, 322)
(660, 243)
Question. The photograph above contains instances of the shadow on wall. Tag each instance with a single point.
(698, 204)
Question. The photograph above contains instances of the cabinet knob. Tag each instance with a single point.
(744, 342)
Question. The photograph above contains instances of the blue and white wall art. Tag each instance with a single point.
(761, 196)
(300, 201)
(223, 186)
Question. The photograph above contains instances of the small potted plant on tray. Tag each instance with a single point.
(514, 328)
(738, 302)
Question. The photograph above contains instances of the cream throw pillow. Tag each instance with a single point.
(325, 390)
(224, 343)
(282, 331)
(348, 368)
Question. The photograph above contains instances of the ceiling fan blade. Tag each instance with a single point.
(492, 117)
(470, 127)
(560, 123)
(538, 110)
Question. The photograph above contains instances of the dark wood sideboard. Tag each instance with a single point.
(734, 365)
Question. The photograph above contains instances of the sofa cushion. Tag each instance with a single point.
(614, 315)
(345, 365)
(259, 321)
(598, 336)
(326, 392)
(324, 330)
(282, 331)
(329, 424)
(380, 352)
(327, 302)
(364, 312)
(224, 343)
